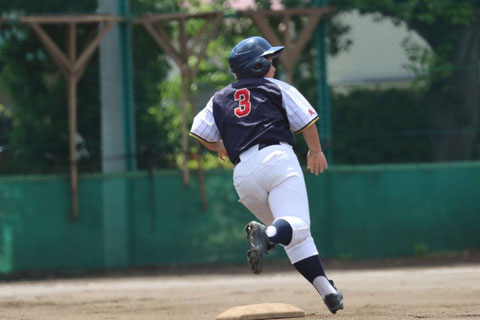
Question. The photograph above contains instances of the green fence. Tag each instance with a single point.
(137, 220)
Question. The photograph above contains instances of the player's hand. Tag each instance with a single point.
(222, 152)
(316, 162)
(222, 155)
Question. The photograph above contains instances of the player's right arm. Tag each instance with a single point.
(205, 130)
(215, 146)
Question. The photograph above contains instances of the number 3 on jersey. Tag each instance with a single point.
(244, 106)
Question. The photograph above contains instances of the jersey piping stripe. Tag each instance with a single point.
(199, 138)
(308, 125)
(209, 132)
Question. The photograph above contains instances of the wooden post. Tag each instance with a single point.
(72, 68)
(199, 148)
(72, 135)
(72, 117)
(183, 106)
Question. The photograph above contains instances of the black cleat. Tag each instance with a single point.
(334, 301)
(259, 245)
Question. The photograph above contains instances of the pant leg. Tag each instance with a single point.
(288, 198)
(252, 187)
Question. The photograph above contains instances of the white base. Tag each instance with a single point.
(262, 311)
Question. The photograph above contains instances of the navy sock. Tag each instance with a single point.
(310, 268)
(282, 233)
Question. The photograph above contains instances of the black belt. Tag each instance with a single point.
(260, 147)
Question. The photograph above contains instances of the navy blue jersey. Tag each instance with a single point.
(250, 112)
(253, 111)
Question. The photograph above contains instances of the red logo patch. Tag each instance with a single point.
(311, 112)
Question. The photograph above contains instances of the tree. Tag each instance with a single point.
(150, 69)
(452, 30)
(213, 74)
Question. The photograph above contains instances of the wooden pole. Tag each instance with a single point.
(201, 171)
(72, 68)
(72, 135)
(183, 105)
(186, 87)
(72, 117)
(287, 39)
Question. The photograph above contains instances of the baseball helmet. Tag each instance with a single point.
(249, 58)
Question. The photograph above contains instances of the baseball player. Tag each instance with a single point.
(251, 122)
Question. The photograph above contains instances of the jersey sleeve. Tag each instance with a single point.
(300, 113)
(204, 126)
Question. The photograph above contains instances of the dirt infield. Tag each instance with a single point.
(440, 292)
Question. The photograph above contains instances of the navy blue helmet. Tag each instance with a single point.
(248, 58)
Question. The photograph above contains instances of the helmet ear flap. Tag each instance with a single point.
(258, 67)
(249, 58)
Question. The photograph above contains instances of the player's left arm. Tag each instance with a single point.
(302, 118)
(316, 160)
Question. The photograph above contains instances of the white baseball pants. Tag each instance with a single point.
(271, 185)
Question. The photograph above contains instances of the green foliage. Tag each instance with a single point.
(5, 127)
(425, 64)
(368, 127)
(38, 93)
(379, 127)
(213, 74)
(47, 6)
(150, 68)
(5, 124)
(138, 7)
(38, 137)
(451, 12)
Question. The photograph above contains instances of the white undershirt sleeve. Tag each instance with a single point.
(204, 126)
(300, 112)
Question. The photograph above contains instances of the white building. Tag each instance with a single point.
(376, 58)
